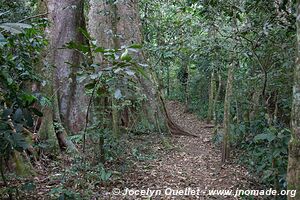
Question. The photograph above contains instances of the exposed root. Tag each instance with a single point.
(173, 127)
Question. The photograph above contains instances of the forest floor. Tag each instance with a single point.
(148, 161)
(188, 162)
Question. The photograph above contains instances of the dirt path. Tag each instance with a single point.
(191, 163)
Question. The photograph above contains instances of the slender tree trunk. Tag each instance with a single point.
(293, 173)
(227, 102)
(255, 105)
(275, 115)
(186, 86)
(115, 117)
(168, 80)
(216, 99)
(237, 112)
(212, 91)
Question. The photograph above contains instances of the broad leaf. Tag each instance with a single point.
(2, 40)
(135, 46)
(90, 86)
(18, 116)
(14, 28)
(118, 94)
(265, 136)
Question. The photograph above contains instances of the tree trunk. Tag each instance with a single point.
(168, 80)
(293, 173)
(66, 19)
(217, 98)
(226, 122)
(46, 129)
(186, 85)
(117, 24)
(254, 107)
(69, 102)
(212, 91)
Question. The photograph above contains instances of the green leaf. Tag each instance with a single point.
(85, 33)
(105, 175)
(90, 86)
(80, 47)
(19, 142)
(96, 75)
(28, 118)
(44, 101)
(29, 186)
(4, 13)
(99, 50)
(61, 197)
(6, 113)
(118, 94)
(18, 116)
(7, 76)
(14, 28)
(125, 56)
(2, 40)
(28, 99)
(135, 46)
(265, 136)
(141, 71)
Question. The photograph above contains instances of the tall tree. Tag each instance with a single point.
(115, 24)
(66, 18)
(227, 104)
(293, 174)
(212, 91)
(229, 91)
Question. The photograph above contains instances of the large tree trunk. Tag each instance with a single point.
(66, 17)
(115, 24)
(69, 102)
(293, 174)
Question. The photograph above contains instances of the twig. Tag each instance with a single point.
(87, 116)
(34, 16)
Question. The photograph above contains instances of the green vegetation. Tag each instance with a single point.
(77, 92)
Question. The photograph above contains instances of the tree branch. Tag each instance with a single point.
(31, 17)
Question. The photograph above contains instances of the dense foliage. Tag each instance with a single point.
(193, 48)
(21, 47)
(193, 39)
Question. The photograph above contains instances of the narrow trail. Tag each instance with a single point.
(191, 163)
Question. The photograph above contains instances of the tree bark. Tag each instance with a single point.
(117, 24)
(293, 172)
(46, 129)
(216, 98)
(66, 17)
(226, 122)
(69, 103)
(212, 91)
